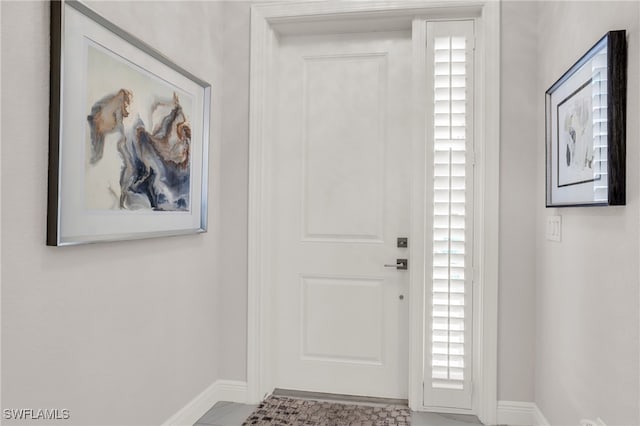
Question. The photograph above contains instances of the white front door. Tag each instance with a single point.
(340, 200)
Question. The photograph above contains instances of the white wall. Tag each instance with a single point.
(518, 150)
(84, 328)
(118, 333)
(235, 174)
(587, 286)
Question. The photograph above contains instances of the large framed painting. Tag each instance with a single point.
(585, 128)
(129, 133)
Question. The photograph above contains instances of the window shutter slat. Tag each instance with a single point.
(450, 256)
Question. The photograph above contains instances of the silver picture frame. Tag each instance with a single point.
(128, 136)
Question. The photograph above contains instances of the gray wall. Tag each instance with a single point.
(587, 309)
(518, 149)
(114, 332)
(235, 192)
(86, 329)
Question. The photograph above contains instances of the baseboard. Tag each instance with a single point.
(221, 390)
(539, 418)
(232, 391)
(512, 413)
(516, 413)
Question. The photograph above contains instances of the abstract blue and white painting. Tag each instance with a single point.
(138, 139)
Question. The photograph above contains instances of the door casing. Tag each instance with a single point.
(267, 22)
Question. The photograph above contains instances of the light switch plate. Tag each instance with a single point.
(554, 228)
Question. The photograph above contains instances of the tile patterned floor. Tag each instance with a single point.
(233, 414)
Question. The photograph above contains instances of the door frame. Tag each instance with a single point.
(267, 23)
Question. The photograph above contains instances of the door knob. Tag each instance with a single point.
(400, 264)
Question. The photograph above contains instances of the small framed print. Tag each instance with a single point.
(129, 134)
(586, 128)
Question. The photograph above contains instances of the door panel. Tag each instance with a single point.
(328, 327)
(341, 198)
(344, 111)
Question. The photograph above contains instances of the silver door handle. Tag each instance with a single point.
(401, 264)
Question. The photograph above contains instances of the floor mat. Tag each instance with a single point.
(282, 411)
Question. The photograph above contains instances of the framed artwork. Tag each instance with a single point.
(129, 134)
(585, 128)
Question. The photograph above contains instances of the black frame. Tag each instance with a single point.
(55, 78)
(616, 44)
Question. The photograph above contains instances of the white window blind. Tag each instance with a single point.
(450, 56)
(599, 102)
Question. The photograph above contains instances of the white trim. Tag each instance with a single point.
(516, 413)
(221, 390)
(417, 230)
(487, 212)
(231, 391)
(264, 20)
(257, 210)
(538, 418)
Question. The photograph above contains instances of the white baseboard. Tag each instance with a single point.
(512, 413)
(221, 390)
(232, 391)
(516, 413)
(539, 418)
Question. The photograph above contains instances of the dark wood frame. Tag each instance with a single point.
(616, 44)
(55, 78)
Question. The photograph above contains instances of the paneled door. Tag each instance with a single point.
(340, 200)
